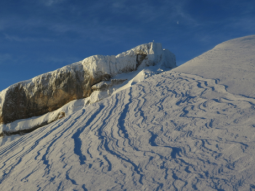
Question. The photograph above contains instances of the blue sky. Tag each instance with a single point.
(43, 35)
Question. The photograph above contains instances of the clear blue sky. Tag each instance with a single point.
(43, 35)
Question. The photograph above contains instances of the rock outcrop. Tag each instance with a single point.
(52, 90)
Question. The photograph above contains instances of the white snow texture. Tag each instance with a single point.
(189, 128)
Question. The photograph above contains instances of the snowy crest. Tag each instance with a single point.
(144, 55)
(52, 90)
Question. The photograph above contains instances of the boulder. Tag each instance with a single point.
(50, 91)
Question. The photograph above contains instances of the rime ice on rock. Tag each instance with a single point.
(50, 91)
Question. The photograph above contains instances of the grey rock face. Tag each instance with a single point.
(46, 95)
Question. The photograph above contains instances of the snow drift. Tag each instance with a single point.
(52, 90)
(231, 63)
(171, 131)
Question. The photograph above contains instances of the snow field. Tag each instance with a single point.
(172, 131)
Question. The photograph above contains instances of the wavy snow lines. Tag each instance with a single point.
(76, 136)
(121, 121)
(170, 132)
(44, 157)
(198, 119)
(175, 150)
(121, 129)
(16, 161)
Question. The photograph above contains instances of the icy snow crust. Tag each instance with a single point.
(170, 131)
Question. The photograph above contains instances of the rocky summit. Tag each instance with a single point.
(50, 91)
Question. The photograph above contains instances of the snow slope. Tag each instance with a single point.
(172, 131)
(231, 62)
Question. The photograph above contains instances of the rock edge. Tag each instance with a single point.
(50, 91)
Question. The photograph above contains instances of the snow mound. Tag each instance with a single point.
(232, 63)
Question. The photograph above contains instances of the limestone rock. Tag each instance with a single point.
(50, 91)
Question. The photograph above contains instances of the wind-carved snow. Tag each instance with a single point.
(171, 131)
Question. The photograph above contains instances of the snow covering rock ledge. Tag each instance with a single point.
(50, 91)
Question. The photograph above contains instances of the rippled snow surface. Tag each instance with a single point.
(173, 131)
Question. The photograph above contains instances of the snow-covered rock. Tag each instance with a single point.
(171, 131)
(50, 91)
(104, 85)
